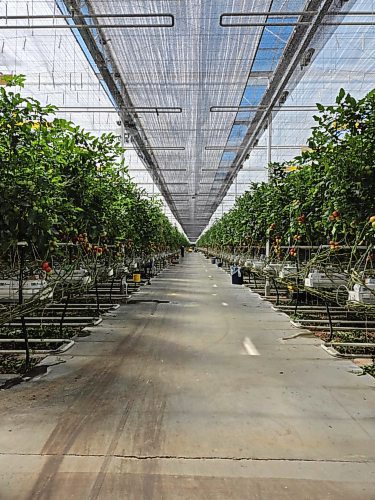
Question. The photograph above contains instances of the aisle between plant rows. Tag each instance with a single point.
(165, 399)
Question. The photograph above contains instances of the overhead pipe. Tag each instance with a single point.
(296, 13)
(240, 109)
(130, 109)
(238, 148)
(299, 23)
(87, 17)
(271, 14)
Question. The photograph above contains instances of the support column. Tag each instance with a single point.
(267, 288)
(123, 140)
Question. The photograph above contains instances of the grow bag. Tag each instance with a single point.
(236, 275)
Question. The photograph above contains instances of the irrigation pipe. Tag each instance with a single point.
(68, 344)
(329, 347)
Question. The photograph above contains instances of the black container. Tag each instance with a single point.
(213, 260)
(236, 275)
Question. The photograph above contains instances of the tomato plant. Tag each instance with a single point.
(58, 181)
(327, 196)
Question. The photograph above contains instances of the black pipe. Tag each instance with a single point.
(330, 322)
(277, 292)
(111, 289)
(64, 313)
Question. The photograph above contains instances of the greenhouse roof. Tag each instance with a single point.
(193, 82)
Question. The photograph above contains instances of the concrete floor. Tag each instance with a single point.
(167, 401)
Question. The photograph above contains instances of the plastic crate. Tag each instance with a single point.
(318, 279)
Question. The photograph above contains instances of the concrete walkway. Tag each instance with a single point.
(198, 398)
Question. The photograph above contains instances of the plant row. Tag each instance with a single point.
(59, 183)
(324, 196)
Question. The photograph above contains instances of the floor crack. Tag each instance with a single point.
(191, 458)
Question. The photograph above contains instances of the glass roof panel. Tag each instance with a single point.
(237, 134)
(253, 94)
(228, 156)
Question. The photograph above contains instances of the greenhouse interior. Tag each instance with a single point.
(187, 249)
